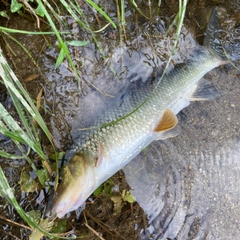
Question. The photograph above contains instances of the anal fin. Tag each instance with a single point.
(205, 91)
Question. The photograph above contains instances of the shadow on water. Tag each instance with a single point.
(190, 188)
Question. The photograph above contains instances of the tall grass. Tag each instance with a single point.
(25, 135)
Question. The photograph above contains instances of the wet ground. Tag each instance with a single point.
(191, 181)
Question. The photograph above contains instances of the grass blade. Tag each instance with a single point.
(61, 42)
(11, 30)
(15, 87)
(95, 6)
(7, 192)
(17, 133)
(11, 156)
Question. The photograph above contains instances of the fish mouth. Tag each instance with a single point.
(61, 206)
(58, 210)
(57, 207)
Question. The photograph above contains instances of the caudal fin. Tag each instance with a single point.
(224, 43)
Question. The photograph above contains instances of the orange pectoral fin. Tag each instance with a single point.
(166, 127)
(167, 122)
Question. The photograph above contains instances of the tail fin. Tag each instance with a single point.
(222, 42)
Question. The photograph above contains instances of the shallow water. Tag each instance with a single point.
(190, 188)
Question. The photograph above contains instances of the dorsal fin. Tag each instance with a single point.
(167, 122)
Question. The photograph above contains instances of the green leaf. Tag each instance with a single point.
(16, 89)
(27, 183)
(63, 45)
(77, 43)
(60, 58)
(11, 30)
(15, 6)
(118, 204)
(95, 6)
(35, 215)
(39, 11)
(20, 135)
(60, 226)
(57, 155)
(12, 156)
(107, 188)
(42, 176)
(128, 197)
(144, 150)
(98, 191)
(4, 14)
(7, 192)
(45, 224)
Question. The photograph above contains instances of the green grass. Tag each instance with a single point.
(25, 132)
(25, 135)
(29, 137)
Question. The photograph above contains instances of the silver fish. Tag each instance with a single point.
(113, 145)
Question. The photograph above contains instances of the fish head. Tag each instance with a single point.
(77, 185)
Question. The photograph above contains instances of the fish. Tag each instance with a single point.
(152, 117)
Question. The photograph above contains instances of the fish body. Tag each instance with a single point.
(115, 144)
